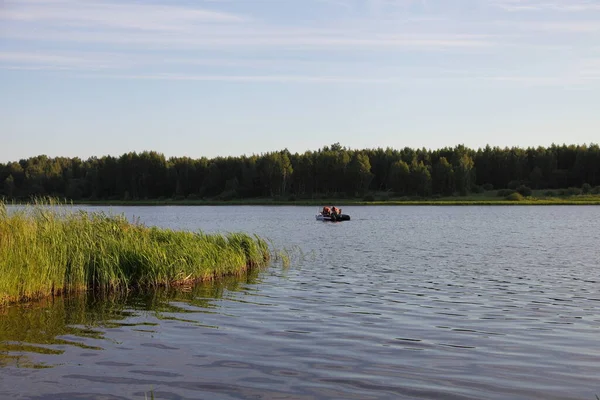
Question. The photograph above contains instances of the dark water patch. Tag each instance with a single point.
(164, 374)
(267, 381)
(114, 364)
(171, 318)
(297, 331)
(457, 346)
(158, 346)
(409, 340)
(111, 380)
(122, 324)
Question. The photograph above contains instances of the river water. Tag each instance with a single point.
(398, 303)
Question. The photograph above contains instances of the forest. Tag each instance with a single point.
(334, 171)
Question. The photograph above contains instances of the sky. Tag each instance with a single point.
(211, 78)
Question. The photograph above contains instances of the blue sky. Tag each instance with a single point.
(231, 77)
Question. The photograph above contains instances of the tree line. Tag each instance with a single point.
(333, 171)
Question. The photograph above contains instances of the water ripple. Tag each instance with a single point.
(436, 303)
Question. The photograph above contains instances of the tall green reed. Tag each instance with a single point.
(46, 249)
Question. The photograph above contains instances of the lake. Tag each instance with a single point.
(398, 303)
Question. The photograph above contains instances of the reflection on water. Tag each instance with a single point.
(420, 302)
(51, 325)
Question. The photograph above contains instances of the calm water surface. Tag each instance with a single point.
(399, 303)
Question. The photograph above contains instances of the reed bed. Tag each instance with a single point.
(47, 249)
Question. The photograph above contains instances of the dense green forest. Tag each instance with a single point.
(333, 171)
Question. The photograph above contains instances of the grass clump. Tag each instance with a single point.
(515, 197)
(46, 249)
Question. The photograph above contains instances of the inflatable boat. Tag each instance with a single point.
(333, 218)
(333, 214)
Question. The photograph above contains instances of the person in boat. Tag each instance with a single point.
(326, 211)
(336, 212)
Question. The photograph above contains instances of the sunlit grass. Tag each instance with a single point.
(46, 249)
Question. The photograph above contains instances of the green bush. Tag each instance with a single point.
(369, 197)
(514, 197)
(586, 188)
(488, 186)
(596, 190)
(477, 189)
(573, 191)
(525, 191)
(549, 193)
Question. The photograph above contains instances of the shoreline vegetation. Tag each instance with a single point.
(371, 200)
(47, 250)
(521, 196)
(558, 174)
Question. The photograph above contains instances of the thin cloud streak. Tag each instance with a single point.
(258, 39)
(552, 26)
(167, 62)
(537, 5)
(169, 41)
(71, 61)
(412, 81)
(255, 78)
(86, 14)
(157, 26)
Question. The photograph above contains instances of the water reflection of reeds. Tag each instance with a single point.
(45, 327)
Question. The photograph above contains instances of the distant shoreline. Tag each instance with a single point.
(489, 198)
(587, 200)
